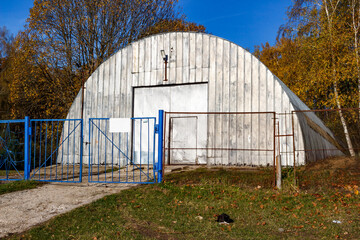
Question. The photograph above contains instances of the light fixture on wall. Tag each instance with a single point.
(165, 58)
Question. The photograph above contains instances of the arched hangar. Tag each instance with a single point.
(204, 74)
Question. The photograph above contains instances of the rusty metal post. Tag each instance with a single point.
(274, 149)
(163, 156)
(294, 148)
(166, 62)
(169, 141)
(165, 58)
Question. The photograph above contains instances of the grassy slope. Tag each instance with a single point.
(170, 210)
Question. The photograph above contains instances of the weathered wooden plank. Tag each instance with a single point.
(94, 100)
(219, 98)
(186, 58)
(205, 58)
(240, 105)
(263, 127)
(192, 58)
(124, 84)
(212, 100)
(87, 114)
(179, 58)
(270, 121)
(172, 58)
(141, 62)
(160, 65)
(198, 58)
(226, 101)
(148, 46)
(255, 108)
(164, 42)
(100, 96)
(135, 48)
(278, 108)
(155, 55)
(129, 92)
(247, 108)
(233, 103)
(206, 51)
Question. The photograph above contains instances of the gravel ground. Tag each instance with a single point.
(23, 209)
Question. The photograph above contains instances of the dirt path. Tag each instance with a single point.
(21, 210)
(24, 209)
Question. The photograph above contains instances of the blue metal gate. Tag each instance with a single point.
(52, 150)
(41, 149)
(56, 150)
(125, 150)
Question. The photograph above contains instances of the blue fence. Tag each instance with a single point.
(125, 155)
(12, 145)
(56, 150)
(52, 150)
(41, 149)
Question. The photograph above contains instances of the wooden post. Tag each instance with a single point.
(278, 171)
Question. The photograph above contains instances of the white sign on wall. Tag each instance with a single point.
(118, 125)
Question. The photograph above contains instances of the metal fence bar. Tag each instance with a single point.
(38, 150)
(60, 151)
(26, 149)
(138, 164)
(160, 130)
(12, 155)
(221, 151)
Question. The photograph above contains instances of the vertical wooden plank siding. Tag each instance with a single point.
(237, 82)
(233, 103)
(211, 101)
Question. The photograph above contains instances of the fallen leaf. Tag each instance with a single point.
(299, 227)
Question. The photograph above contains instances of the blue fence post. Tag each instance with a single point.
(26, 149)
(160, 146)
(81, 148)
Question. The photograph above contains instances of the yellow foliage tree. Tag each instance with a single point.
(66, 40)
(316, 56)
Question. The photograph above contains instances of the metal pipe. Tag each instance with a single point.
(274, 148)
(293, 133)
(166, 62)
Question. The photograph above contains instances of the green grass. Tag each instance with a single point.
(13, 186)
(11, 173)
(170, 210)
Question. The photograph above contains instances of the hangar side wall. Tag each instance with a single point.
(237, 82)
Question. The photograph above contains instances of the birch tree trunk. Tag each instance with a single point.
(331, 5)
(355, 14)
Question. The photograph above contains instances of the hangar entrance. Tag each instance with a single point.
(187, 133)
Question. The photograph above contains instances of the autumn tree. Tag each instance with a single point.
(316, 56)
(66, 40)
(6, 40)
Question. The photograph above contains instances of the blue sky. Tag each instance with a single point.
(244, 22)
